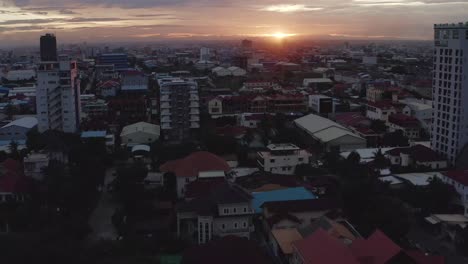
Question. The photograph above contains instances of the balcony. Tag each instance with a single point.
(194, 105)
(194, 112)
(194, 97)
(194, 125)
(194, 118)
(165, 112)
(165, 98)
(166, 126)
(165, 119)
(165, 106)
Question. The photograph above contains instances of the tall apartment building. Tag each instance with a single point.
(450, 90)
(180, 108)
(58, 94)
(48, 47)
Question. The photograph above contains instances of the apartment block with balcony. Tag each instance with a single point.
(179, 108)
(58, 95)
(282, 158)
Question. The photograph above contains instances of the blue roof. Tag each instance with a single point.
(93, 134)
(289, 194)
(8, 142)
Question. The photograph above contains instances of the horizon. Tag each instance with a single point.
(98, 21)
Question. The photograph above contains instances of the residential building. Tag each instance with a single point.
(321, 104)
(58, 95)
(259, 87)
(134, 81)
(409, 125)
(34, 165)
(180, 108)
(374, 94)
(108, 88)
(128, 109)
(295, 213)
(20, 75)
(450, 90)
(225, 211)
(459, 180)
(189, 169)
(282, 158)
(95, 108)
(18, 129)
(317, 83)
(418, 156)
(48, 46)
(140, 133)
(380, 110)
(118, 60)
(328, 134)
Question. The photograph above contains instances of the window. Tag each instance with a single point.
(244, 224)
(236, 225)
(272, 160)
(455, 34)
(245, 209)
(301, 159)
(223, 226)
(226, 211)
(234, 210)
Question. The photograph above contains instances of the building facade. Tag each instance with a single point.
(282, 158)
(180, 108)
(450, 90)
(58, 95)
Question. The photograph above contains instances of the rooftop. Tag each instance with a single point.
(195, 163)
(460, 176)
(289, 194)
(26, 122)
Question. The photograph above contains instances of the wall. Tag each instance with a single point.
(181, 183)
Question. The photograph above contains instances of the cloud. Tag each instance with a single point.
(287, 8)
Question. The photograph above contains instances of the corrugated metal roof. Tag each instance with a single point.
(323, 129)
(289, 194)
(26, 122)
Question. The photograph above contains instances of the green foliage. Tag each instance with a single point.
(395, 139)
(378, 126)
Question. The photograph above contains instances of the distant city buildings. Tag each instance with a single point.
(450, 90)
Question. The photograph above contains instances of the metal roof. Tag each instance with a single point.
(26, 122)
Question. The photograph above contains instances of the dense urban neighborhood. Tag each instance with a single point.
(325, 152)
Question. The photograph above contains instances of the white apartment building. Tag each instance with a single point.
(58, 95)
(450, 90)
(180, 108)
(282, 158)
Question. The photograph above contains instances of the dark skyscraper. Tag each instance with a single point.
(48, 48)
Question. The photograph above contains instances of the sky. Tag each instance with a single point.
(23, 21)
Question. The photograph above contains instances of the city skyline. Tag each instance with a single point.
(21, 21)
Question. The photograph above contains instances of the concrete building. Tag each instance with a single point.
(459, 180)
(450, 90)
(139, 133)
(118, 60)
(374, 94)
(58, 95)
(225, 211)
(409, 125)
(321, 104)
(20, 75)
(34, 165)
(17, 129)
(282, 158)
(134, 81)
(180, 108)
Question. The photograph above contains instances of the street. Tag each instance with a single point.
(100, 220)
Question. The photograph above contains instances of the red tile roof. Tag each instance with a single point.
(196, 162)
(232, 131)
(12, 179)
(422, 258)
(385, 104)
(403, 120)
(418, 153)
(378, 248)
(350, 118)
(322, 248)
(460, 176)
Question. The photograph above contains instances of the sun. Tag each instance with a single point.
(281, 35)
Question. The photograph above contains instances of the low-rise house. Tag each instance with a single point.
(34, 165)
(295, 213)
(18, 129)
(381, 110)
(329, 134)
(409, 125)
(140, 133)
(108, 88)
(224, 211)
(459, 180)
(416, 156)
(189, 169)
(282, 158)
(322, 248)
